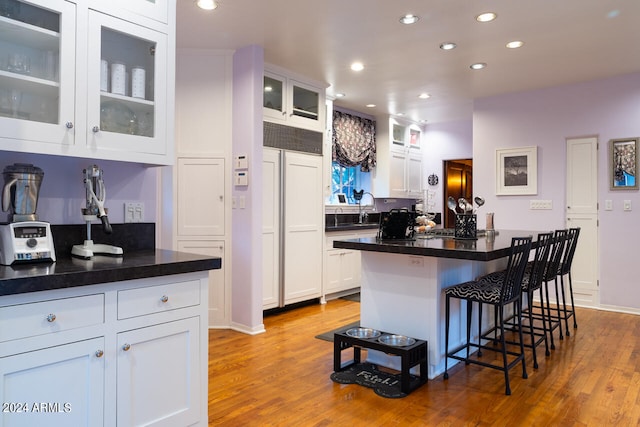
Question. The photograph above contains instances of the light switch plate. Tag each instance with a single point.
(608, 205)
(626, 206)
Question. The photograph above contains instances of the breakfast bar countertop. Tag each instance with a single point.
(484, 248)
(69, 272)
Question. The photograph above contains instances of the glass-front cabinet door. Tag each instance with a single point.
(274, 98)
(127, 86)
(157, 10)
(37, 72)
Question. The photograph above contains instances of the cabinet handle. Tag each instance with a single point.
(69, 125)
(126, 347)
(99, 353)
(96, 129)
(164, 298)
(51, 318)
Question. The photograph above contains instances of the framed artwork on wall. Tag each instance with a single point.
(517, 171)
(623, 164)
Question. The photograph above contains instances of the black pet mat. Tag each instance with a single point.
(367, 374)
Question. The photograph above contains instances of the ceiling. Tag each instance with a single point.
(565, 41)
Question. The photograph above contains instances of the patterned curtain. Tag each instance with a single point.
(354, 141)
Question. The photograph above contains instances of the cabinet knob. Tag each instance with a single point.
(51, 318)
(69, 125)
(95, 129)
(126, 347)
(164, 298)
(99, 353)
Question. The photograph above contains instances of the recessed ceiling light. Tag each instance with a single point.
(370, 105)
(448, 46)
(515, 44)
(357, 66)
(207, 4)
(340, 95)
(424, 95)
(409, 18)
(486, 17)
(478, 66)
(423, 121)
(399, 114)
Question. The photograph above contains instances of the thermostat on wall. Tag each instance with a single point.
(241, 178)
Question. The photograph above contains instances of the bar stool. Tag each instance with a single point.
(565, 270)
(531, 281)
(551, 272)
(499, 294)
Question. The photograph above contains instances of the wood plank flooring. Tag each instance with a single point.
(281, 378)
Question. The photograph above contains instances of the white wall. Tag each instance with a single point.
(608, 108)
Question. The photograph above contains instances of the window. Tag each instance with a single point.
(345, 180)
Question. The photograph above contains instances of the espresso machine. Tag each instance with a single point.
(23, 238)
(93, 210)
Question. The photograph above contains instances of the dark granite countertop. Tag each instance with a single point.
(70, 272)
(482, 249)
(351, 227)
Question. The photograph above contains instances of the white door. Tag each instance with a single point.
(201, 197)
(157, 375)
(582, 211)
(66, 383)
(303, 234)
(219, 288)
(270, 228)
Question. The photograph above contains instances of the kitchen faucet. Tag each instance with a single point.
(362, 215)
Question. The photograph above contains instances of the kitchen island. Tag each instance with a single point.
(402, 283)
(106, 341)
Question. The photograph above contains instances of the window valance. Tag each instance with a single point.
(354, 141)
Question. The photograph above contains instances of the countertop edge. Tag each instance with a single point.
(71, 272)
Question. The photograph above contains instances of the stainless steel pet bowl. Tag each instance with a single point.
(396, 340)
(363, 333)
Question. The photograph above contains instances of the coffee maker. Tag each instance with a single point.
(24, 238)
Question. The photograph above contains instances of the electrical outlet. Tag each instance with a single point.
(608, 205)
(129, 212)
(133, 212)
(626, 205)
(540, 204)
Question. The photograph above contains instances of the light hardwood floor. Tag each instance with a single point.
(281, 378)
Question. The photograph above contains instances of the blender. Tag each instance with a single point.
(95, 196)
(23, 238)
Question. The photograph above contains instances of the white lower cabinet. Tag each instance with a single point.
(130, 353)
(56, 386)
(156, 383)
(342, 266)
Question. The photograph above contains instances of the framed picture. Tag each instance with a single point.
(414, 138)
(342, 199)
(517, 171)
(623, 164)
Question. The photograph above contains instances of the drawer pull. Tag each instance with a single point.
(51, 318)
(126, 347)
(99, 353)
(164, 298)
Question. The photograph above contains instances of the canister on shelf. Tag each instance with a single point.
(138, 82)
(118, 78)
(104, 75)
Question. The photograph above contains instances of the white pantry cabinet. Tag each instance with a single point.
(293, 101)
(83, 83)
(128, 353)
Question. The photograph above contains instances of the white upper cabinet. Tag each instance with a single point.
(155, 10)
(78, 82)
(400, 163)
(291, 101)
